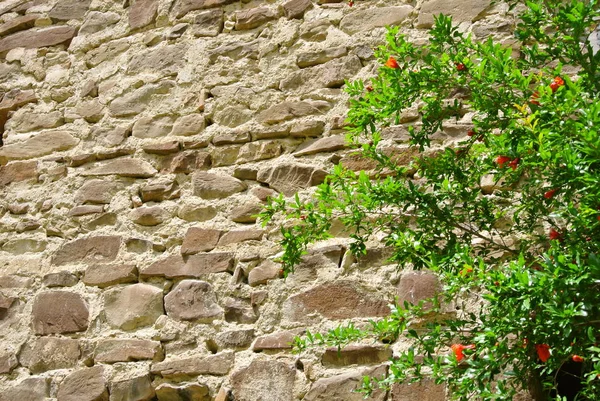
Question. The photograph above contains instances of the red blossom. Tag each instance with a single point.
(550, 194)
(514, 163)
(553, 234)
(557, 83)
(501, 160)
(350, 3)
(534, 98)
(543, 351)
(470, 132)
(458, 350)
(461, 67)
(369, 88)
(392, 63)
(577, 358)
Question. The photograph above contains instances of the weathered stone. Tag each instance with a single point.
(112, 350)
(60, 279)
(30, 389)
(5, 304)
(374, 17)
(275, 341)
(172, 392)
(218, 365)
(16, 98)
(192, 212)
(195, 266)
(193, 300)
(235, 338)
(307, 128)
(105, 275)
(263, 194)
(342, 387)
(142, 13)
(124, 167)
(40, 38)
(162, 148)
(96, 191)
(263, 273)
(246, 212)
(66, 10)
(337, 300)
(137, 101)
(132, 389)
(59, 312)
(86, 384)
(315, 30)
(36, 121)
(190, 124)
(296, 8)
(215, 186)
(85, 210)
(417, 286)
(255, 382)
(186, 162)
(18, 24)
(313, 58)
(331, 74)
(185, 6)
(424, 390)
(133, 306)
(152, 127)
(327, 144)
(290, 110)
(97, 21)
(236, 51)
(17, 172)
(24, 245)
(357, 162)
(356, 355)
(86, 250)
(253, 17)
(460, 11)
(91, 111)
(208, 23)
(290, 178)
(239, 310)
(259, 150)
(13, 281)
(235, 236)
(7, 363)
(49, 353)
(111, 136)
(159, 190)
(226, 138)
(106, 52)
(199, 240)
(39, 145)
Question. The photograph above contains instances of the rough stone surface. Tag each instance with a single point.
(328, 144)
(253, 17)
(134, 306)
(56, 312)
(7, 363)
(149, 215)
(132, 389)
(460, 11)
(17, 172)
(193, 300)
(123, 167)
(218, 365)
(69, 9)
(290, 178)
(235, 338)
(105, 275)
(49, 353)
(40, 38)
(199, 240)
(60, 279)
(39, 145)
(417, 286)
(194, 266)
(341, 387)
(30, 389)
(171, 392)
(255, 383)
(266, 271)
(235, 236)
(142, 13)
(296, 8)
(84, 385)
(215, 186)
(126, 350)
(374, 17)
(290, 110)
(276, 341)
(356, 355)
(92, 249)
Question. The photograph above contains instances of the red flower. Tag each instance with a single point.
(369, 88)
(543, 351)
(514, 163)
(461, 67)
(392, 63)
(554, 234)
(577, 358)
(550, 194)
(458, 350)
(557, 83)
(350, 3)
(501, 160)
(470, 132)
(534, 98)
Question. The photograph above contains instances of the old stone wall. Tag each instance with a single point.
(139, 139)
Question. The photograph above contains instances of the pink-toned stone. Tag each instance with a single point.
(296, 8)
(263, 273)
(39, 38)
(199, 240)
(142, 13)
(41, 144)
(218, 365)
(193, 300)
(290, 178)
(57, 312)
(253, 17)
(7, 363)
(49, 353)
(133, 306)
(276, 341)
(328, 144)
(105, 275)
(112, 350)
(417, 286)
(343, 386)
(290, 110)
(255, 382)
(86, 384)
(236, 236)
(162, 148)
(424, 390)
(17, 172)
(84, 210)
(215, 186)
(185, 6)
(186, 162)
(194, 266)
(88, 250)
(18, 24)
(66, 10)
(123, 167)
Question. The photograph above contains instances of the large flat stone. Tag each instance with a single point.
(49, 353)
(133, 306)
(18, 24)
(322, 145)
(218, 365)
(374, 17)
(41, 144)
(142, 13)
(173, 392)
(342, 387)
(193, 300)
(66, 10)
(356, 355)
(112, 350)
(215, 186)
(105, 275)
(290, 110)
(193, 266)
(103, 248)
(424, 390)
(17, 172)
(124, 167)
(165, 60)
(86, 384)
(256, 382)
(38, 38)
(253, 17)
(57, 312)
(290, 178)
(185, 6)
(30, 389)
(137, 388)
(199, 240)
(460, 11)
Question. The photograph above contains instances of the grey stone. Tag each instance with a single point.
(60, 279)
(215, 186)
(208, 23)
(56, 312)
(255, 382)
(133, 306)
(86, 384)
(193, 300)
(142, 13)
(49, 353)
(235, 338)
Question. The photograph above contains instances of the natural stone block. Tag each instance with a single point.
(186, 162)
(13, 281)
(86, 384)
(30, 389)
(91, 111)
(66, 10)
(39, 38)
(322, 145)
(102, 248)
(194, 266)
(235, 338)
(124, 167)
(56, 312)
(153, 127)
(199, 240)
(253, 17)
(142, 13)
(290, 110)
(160, 190)
(259, 150)
(307, 128)
(343, 386)
(374, 17)
(215, 186)
(190, 124)
(24, 245)
(356, 355)
(226, 138)
(296, 8)
(245, 213)
(315, 30)
(166, 60)
(310, 59)
(60, 279)
(185, 6)
(193, 212)
(335, 300)
(112, 350)
(36, 121)
(331, 74)
(236, 236)
(85, 210)
(137, 388)
(208, 23)
(41, 144)
(290, 178)
(263, 273)
(162, 148)
(277, 341)
(17, 172)
(263, 194)
(255, 382)
(18, 24)
(96, 191)
(133, 306)
(49, 353)
(105, 275)
(239, 310)
(14, 99)
(460, 11)
(235, 51)
(424, 390)
(193, 300)
(137, 101)
(417, 286)
(7, 363)
(218, 365)
(172, 392)
(97, 21)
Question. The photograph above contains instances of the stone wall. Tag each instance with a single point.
(139, 139)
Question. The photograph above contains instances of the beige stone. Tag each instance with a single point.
(102, 248)
(277, 341)
(8, 361)
(96, 191)
(331, 74)
(259, 150)
(60, 279)
(193, 266)
(290, 178)
(235, 236)
(36, 121)
(38, 38)
(137, 388)
(124, 167)
(253, 17)
(24, 245)
(263, 273)
(84, 210)
(133, 306)
(310, 59)
(162, 148)
(460, 11)
(112, 350)
(296, 8)
(370, 18)
(199, 240)
(290, 110)
(417, 286)
(246, 212)
(137, 101)
(425, 390)
(186, 162)
(193, 300)
(142, 13)
(183, 7)
(153, 127)
(30, 389)
(66, 10)
(239, 310)
(208, 23)
(49, 353)
(97, 21)
(255, 382)
(327, 144)
(235, 51)
(218, 364)
(199, 213)
(86, 384)
(18, 24)
(172, 392)
(17, 172)
(190, 124)
(226, 138)
(160, 190)
(215, 186)
(38, 145)
(342, 386)
(56, 312)
(105, 275)
(235, 338)
(356, 355)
